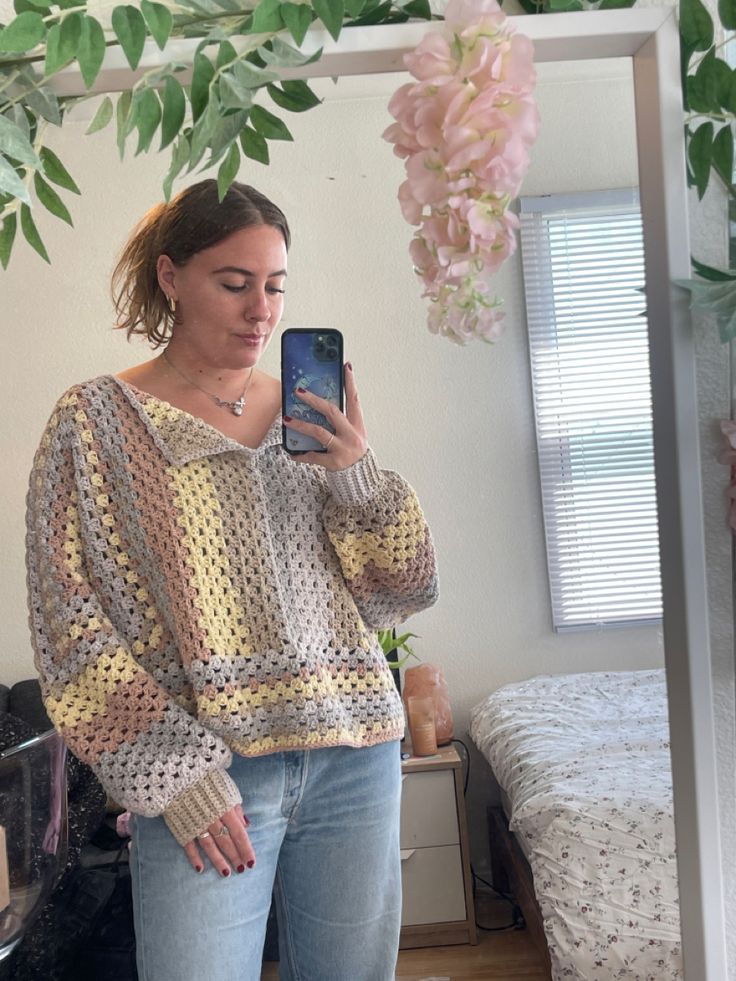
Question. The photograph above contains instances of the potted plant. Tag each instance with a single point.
(391, 645)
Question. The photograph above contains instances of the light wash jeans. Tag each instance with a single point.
(324, 824)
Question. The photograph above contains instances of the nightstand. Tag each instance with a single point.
(437, 904)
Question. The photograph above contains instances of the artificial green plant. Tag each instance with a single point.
(214, 119)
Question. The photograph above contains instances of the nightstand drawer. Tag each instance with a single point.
(428, 812)
(432, 883)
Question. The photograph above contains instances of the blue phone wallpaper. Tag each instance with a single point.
(311, 359)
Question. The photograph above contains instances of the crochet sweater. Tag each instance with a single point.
(190, 597)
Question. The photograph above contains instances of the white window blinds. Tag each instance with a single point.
(583, 261)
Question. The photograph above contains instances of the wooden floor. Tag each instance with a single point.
(504, 956)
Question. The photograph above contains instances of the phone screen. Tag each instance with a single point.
(311, 358)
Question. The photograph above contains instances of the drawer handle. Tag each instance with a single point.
(406, 854)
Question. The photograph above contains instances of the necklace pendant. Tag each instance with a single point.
(238, 406)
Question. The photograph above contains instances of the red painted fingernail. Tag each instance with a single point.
(251, 863)
(199, 868)
(300, 391)
(246, 821)
(287, 418)
(241, 868)
(226, 872)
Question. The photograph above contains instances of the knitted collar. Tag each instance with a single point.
(182, 437)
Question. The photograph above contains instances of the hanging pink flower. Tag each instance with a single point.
(464, 129)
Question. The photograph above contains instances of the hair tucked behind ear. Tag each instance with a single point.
(193, 221)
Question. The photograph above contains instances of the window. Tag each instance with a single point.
(583, 262)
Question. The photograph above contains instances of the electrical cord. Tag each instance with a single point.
(518, 922)
(466, 764)
(517, 917)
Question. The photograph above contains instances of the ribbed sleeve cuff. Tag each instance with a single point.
(355, 484)
(193, 811)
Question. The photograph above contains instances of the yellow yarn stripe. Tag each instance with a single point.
(313, 689)
(392, 549)
(86, 698)
(357, 736)
(218, 598)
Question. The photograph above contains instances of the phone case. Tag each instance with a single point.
(311, 358)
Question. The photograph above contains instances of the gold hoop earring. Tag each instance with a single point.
(172, 303)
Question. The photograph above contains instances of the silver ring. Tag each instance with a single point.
(327, 444)
(205, 834)
(223, 832)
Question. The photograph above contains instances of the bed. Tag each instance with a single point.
(583, 764)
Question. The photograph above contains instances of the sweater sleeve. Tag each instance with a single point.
(380, 535)
(151, 755)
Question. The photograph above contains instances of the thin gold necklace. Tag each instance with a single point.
(235, 407)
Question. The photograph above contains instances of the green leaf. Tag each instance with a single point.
(62, 43)
(233, 94)
(7, 237)
(703, 88)
(41, 100)
(298, 17)
(331, 13)
(179, 159)
(700, 155)
(268, 125)
(102, 117)
(10, 182)
(267, 17)
(159, 20)
(253, 76)
(199, 91)
(254, 146)
(354, 8)
(228, 171)
(147, 119)
(55, 170)
(125, 119)
(18, 116)
(711, 274)
(226, 54)
(130, 28)
(20, 6)
(723, 154)
(228, 129)
(175, 105)
(419, 9)
(14, 143)
(50, 199)
(91, 51)
(294, 96)
(23, 33)
(615, 4)
(203, 132)
(727, 13)
(285, 55)
(696, 26)
(31, 232)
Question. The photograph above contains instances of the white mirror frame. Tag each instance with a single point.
(650, 38)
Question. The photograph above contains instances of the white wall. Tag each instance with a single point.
(456, 421)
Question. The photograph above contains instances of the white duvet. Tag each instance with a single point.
(584, 760)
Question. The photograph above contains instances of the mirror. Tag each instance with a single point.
(457, 423)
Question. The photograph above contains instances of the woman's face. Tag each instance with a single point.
(229, 298)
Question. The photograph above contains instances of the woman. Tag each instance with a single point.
(203, 608)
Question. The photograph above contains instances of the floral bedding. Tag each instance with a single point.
(584, 760)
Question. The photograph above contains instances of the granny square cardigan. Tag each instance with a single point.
(191, 597)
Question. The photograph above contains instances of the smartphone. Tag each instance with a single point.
(311, 358)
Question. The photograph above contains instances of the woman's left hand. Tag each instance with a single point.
(348, 444)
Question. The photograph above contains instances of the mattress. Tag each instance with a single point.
(584, 761)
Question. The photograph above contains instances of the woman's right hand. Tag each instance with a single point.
(226, 844)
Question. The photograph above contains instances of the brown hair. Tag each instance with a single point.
(193, 221)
